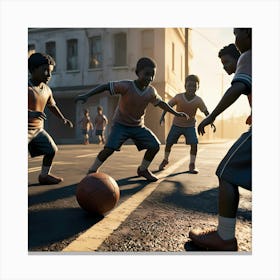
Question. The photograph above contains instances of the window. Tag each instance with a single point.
(72, 54)
(148, 43)
(95, 52)
(51, 50)
(31, 49)
(120, 49)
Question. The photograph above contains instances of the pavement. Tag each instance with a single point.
(149, 217)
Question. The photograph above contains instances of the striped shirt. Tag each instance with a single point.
(243, 74)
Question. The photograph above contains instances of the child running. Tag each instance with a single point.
(187, 102)
(40, 95)
(100, 123)
(86, 126)
(128, 120)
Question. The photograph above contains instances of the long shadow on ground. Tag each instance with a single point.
(50, 222)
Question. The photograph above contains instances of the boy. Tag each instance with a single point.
(229, 56)
(100, 124)
(86, 126)
(187, 102)
(235, 169)
(40, 142)
(128, 121)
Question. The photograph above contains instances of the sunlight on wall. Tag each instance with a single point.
(205, 44)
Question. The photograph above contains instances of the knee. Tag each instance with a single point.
(168, 147)
(105, 153)
(51, 154)
(155, 148)
(193, 149)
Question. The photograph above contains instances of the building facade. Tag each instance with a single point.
(87, 57)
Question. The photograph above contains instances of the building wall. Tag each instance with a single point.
(153, 42)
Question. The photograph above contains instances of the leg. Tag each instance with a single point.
(165, 161)
(102, 156)
(103, 138)
(45, 177)
(228, 199)
(172, 138)
(193, 153)
(222, 239)
(86, 139)
(43, 144)
(48, 159)
(151, 153)
(233, 171)
(143, 168)
(100, 139)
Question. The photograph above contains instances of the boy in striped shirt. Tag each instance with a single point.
(236, 168)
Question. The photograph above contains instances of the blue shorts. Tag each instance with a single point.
(41, 144)
(142, 137)
(236, 166)
(176, 131)
(85, 131)
(99, 132)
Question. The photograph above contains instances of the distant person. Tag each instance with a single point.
(86, 126)
(187, 102)
(100, 123)
(128, 121)
(40, 95)
(229, 56)
(236, 168)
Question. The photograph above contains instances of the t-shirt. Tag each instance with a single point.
(100, 122)
(86, 123)
(243, 74)
(133, 102)
(188, 107)
(37, 101)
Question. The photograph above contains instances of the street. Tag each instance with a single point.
(149, 217)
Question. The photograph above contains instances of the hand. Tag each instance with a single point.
(37, 115)
(213, 127)
(208, 120)
(67, 122)
(182, 114)
(82, 98)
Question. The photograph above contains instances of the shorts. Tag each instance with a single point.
(176, 131)
(85, 131)
(99, 132)
(40, 143)
(236, 166)
(142, 137)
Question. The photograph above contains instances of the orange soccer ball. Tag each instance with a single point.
(98, 193)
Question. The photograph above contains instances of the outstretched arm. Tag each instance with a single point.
(228, 99)
(206, 113)
(166, 107)
(161, 120)
(55, 110)
(96, 90)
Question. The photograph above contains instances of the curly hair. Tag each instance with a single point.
(38, 59)
(230, 50)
